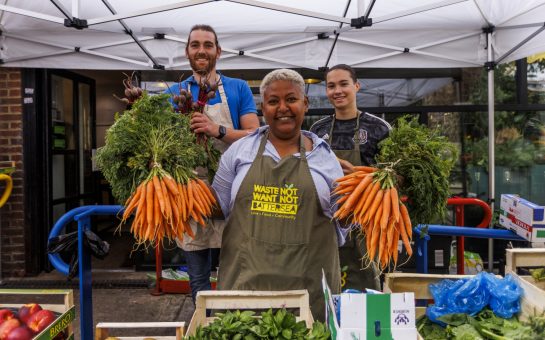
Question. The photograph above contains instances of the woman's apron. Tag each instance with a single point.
(210, 236)
(278, 237)
(351, 253)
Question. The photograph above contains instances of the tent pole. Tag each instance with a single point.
(491, 142)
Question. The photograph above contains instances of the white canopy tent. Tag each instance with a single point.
(141, 34)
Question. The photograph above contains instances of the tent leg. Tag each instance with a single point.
(491, 155)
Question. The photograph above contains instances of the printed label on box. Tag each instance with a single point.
(370, 316)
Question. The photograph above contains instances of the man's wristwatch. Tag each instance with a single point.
(222, 132)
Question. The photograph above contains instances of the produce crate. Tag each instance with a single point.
(66, 308)
(419, 283)
(102, 330)
(249, 300)
(416, 283)
(533, 300)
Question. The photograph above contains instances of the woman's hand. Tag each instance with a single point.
(347, 167)
(200, 123)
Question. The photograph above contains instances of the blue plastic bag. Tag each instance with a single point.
(471, 295)
(504, 296)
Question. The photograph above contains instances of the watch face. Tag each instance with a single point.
(222, 131)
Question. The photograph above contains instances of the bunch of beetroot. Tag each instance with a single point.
(29, 321)
(185, 103)
(132, 91)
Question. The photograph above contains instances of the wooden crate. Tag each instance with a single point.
(64, 322)
(102, 329)
(533, 300)
(249, 300)
(419, 284)
(416, 283)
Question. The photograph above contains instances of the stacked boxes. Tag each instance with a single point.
(525, 218)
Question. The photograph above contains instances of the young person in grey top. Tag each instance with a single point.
(353, 136)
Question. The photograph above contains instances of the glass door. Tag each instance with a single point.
(72, 140)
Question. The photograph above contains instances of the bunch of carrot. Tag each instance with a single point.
(164, 207)
(369, 199)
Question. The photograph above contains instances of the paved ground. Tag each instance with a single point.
(117, 304)
(120, 294)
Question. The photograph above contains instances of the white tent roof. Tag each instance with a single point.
(269, 34)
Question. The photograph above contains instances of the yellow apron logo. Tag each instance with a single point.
(276, 201)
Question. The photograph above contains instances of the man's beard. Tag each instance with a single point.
(202, 70)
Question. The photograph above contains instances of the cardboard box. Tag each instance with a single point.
(370, 316)
(525, 218)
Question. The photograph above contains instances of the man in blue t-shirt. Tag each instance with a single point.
(227, 117)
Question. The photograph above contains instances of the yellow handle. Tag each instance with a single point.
(7, 191)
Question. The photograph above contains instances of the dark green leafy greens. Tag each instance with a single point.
(423, 158)
(150, 136)
(244, 326)
(485, 325)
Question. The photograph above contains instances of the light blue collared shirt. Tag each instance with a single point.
(236, 161)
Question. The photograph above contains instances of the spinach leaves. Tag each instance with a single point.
(245, 326)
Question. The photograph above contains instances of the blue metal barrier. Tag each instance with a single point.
(422, 238)
(82, 215)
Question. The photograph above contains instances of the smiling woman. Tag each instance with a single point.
(284, 106)
(274, 187)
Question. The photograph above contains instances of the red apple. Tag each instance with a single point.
(20, 333)
(7, 326)
(5, 314)
(40, 320)
(25, 311)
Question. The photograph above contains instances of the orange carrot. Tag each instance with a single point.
(363, 199)
(149, 203)
(372, 250)
(166, 199)
(175, 211)
(406, 220)
(183, 212)
(394, 197)
(357, 174)
(157, 216)
(374, 206)
(370, 199)
(206, 190)
(344, 190)
(189, 198)
(355, 195)
(404, 238)
(159, 192)
(132, 203)
(198, 189)
(385, 215)
(171, 185)
(365, 168)
(394, 243)
(197, 207)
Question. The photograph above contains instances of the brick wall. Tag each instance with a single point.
(11, 150)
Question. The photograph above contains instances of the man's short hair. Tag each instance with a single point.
(202, 27)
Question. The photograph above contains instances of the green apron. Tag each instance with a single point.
(352, 251)
(277, 236)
